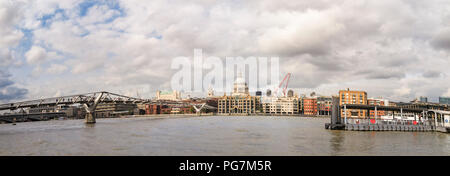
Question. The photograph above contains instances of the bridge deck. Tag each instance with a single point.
(71, 99)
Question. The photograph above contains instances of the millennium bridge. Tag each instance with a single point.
(88, 101)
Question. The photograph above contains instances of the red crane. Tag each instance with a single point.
(286, 78)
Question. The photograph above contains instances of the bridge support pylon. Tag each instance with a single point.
(90, 118)
(90, 110)
(336, 123)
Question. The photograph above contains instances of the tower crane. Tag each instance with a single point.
(286, 78)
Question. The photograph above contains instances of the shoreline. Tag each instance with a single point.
(222, 115)
(175, 116)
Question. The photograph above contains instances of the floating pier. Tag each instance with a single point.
(431, 120)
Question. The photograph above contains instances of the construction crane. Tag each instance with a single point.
(286, 78)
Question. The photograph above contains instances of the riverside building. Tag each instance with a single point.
(324, 104)
(171, 96)
(353, 97)
(310, 106)
(377, 102)
(281, 105)
(240, 101)
(444, 100)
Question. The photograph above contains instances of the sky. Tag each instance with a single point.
(390, 48)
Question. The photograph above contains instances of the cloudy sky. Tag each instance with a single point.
(394, 49)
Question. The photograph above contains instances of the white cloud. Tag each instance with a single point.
(10, 36)
(98, 14)
(9, 16)
(36, 55)
(402, 91)
(36, 72)
(56, 69)
(303, 33)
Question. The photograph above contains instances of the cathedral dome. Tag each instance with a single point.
(240, 86)
(239, 80)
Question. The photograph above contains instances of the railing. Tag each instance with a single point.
(389, 122)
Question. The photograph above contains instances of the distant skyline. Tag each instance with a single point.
(399, 50)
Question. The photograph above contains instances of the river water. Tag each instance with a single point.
(210, 135)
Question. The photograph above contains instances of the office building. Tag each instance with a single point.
(423, 99)
(444, 100)
(280, 105)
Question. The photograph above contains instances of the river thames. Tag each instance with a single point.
(211, 135)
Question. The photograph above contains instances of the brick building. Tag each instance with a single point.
(310, 106)
(167, 109)
(353, 97)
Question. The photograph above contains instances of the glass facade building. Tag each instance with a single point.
(444, 100)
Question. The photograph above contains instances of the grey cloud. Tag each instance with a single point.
(11, 93)
(308, 75)
(328, 63)
(441, 40)
(5, 82)
(386, 75)
(7, 90)
(10, 14)
(431, 74)
(381, 73)
(5, 57)
(396, 60)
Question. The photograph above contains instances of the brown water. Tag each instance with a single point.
(213, 135)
